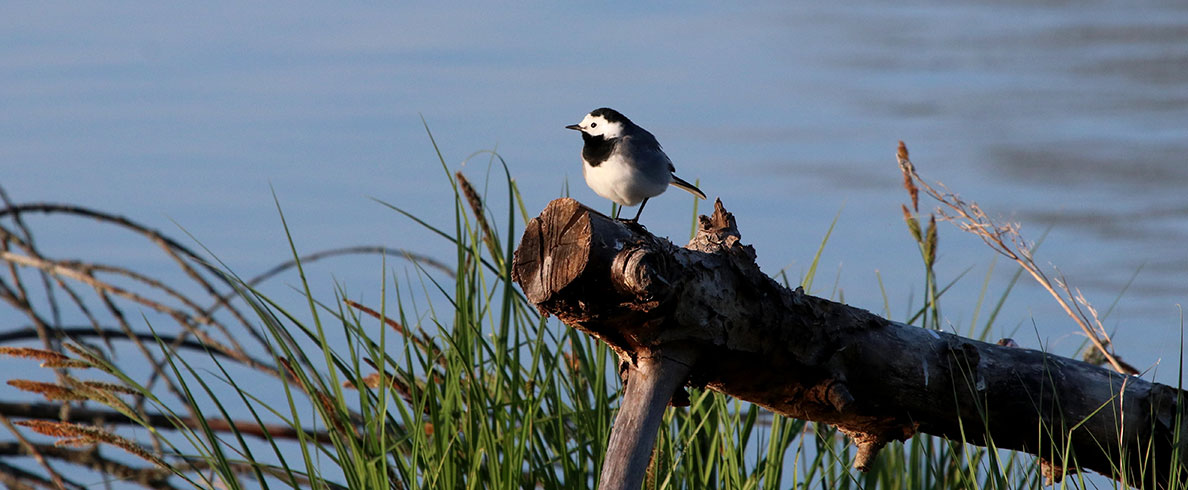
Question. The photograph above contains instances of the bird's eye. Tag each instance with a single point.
(593, 125)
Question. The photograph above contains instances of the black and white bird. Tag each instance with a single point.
(623, 162)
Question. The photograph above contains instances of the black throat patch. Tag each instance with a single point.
(597, 149)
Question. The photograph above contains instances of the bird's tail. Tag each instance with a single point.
(681, 184)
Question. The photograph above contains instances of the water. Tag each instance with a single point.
(1067, 117)
(1060, 116)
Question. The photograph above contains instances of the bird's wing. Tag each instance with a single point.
(646, 144)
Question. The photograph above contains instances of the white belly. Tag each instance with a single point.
(622, 184)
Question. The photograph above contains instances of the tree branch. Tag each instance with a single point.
(811, 358)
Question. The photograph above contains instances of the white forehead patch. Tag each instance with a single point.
(599, 126)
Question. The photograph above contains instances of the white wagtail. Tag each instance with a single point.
(624, 162)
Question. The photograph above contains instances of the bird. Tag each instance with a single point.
(623, 162)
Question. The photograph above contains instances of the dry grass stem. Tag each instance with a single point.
(72, 434)
(66, 364)
(110, 387)
(476, 206)
(1006, 239)
(129, 301)
(33, 451)
(425, 341)
(908, 184)
(94, 359)
(51, 391)
(47, 356)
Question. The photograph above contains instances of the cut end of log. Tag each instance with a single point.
(556, 247)
(561, 225)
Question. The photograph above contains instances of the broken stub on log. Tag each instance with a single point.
(704, 315)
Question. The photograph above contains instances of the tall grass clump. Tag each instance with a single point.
(450, 379)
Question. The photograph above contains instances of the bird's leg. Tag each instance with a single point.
(637, 213)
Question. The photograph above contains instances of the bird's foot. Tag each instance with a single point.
(632, 223)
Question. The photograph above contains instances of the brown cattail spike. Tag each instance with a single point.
(909, 171)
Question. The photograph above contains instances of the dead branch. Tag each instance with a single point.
(814, 359)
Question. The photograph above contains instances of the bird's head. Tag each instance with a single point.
(604, 122)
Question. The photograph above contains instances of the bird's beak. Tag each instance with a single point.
(574, 126)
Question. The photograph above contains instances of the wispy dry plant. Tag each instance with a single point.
(79, 313)
(1006, 239)
(70, 434)
(50, 359)
(476, 206)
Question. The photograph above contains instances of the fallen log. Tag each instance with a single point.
(720, 323)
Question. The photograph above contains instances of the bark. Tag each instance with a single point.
(814, 359)
(653, 380)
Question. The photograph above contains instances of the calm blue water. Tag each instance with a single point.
(1065, 116)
